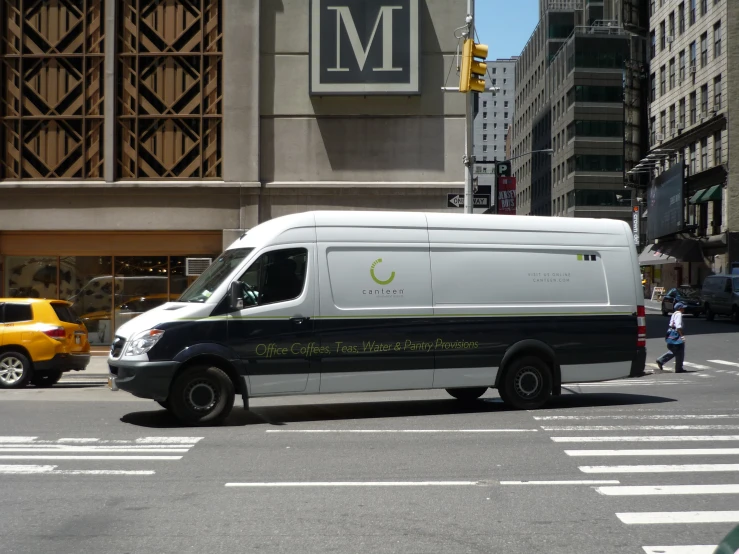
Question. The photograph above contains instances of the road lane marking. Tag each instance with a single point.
(685, 468)
(43, 469)
(46, 449)
(695, 366)
(169, 440)
(640, 427)
(686, 549)
(723, 362)
(581, 482)
(358, 484)
(401, 430)
(668, 490)
(14, 440)
(637, 416)
(657, 452)
(649, 438)
(647, 518)
(48, 457)
(80, 441)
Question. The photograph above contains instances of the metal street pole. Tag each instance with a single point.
(469, 124)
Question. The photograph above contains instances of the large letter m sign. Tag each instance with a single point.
(364, 46)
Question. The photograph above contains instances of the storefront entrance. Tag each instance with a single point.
(109, 277)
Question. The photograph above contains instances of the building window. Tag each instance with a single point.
(693, 107)
(484, 147)
(672, 119)
(682, 66)
(663, 81)
(652, 45)
(693, 160)
(505, 115)
(652, 87)
(717, 40)
(704, 154)
(704, 7)
(672, 73)
(663, 123)
(692, 56)
(681, 17)
(681, 123)
(717, 160)
(51, 90)
(704, 49)
(652, 130)
(692, 12)
(484, 115)
(505, 125)
(663, 36)
(505, 104)
(484, 126)
(484, 138)
(484, 103)
(717, 93)
(671, 27)
(495, 81)
(704, 100)
(495, 147)
(170, 89)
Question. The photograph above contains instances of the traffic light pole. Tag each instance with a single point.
(469, 124)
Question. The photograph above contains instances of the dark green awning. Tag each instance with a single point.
(696, 196)
(714, 193)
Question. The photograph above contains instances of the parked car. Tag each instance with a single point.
(690, 296)
(39, 340)
(721, 296)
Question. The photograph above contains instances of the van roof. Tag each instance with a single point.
(427, 220)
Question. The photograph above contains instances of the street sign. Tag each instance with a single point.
(635, 225)
(457, 201)
(503, 169)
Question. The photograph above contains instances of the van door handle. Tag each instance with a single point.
(299, 320)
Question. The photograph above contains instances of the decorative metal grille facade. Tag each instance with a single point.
(169, 103)
(51, 79)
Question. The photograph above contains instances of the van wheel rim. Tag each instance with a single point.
(527, 382)
(11, 370)
(201, 396)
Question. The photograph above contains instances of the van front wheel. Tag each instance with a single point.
(526, 384)
(201, 395)
(467, 395)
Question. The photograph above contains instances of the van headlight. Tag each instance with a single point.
(143, 342)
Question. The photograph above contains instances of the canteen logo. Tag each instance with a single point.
(374, 277)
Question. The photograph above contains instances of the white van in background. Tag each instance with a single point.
(326, 302)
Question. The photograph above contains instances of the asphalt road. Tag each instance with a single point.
(85, 470)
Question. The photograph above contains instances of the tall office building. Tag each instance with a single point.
(579, 93)
(694, 63)
(495, 113)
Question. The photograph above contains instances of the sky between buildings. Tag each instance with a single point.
(505, 25)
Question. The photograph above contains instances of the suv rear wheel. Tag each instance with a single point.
(526, 384)
(710, 316)
(46, 379)
(735, 314)
(15, 370)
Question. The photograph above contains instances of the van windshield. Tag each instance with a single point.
(213, 277)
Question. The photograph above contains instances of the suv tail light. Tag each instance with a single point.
(641, 327)
(57, 333)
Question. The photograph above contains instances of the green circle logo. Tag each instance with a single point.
(375, 279)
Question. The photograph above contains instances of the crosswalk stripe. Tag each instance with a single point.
(51, 470)
(695, 366)
(684, 468)
(686, 549)
(667, 490)
(650, 438)
(97, 450)
(646, 518)
(640, 427)
(657, 452)
(49, 457)
(723, 362)
(637, 416)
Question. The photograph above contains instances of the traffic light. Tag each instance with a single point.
(472, 74)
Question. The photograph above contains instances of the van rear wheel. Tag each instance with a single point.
(710, 316)
(526, 384)
(467, 395)
(202, 395)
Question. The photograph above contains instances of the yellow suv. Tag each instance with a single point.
(39, 340)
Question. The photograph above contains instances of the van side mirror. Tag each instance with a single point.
(236, 300)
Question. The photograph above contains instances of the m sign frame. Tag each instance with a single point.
(364, 47)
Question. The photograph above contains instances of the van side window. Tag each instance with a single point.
(14, 313)
(276, 276)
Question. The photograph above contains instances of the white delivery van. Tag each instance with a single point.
(327, 302)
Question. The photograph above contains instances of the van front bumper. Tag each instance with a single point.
(143, 379)
(639, 363)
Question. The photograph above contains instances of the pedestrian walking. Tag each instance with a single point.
(675, 341)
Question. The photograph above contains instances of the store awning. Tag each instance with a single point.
(707, 195)
(671, 253)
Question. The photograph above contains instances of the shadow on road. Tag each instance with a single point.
(302, 413)
(657, 326)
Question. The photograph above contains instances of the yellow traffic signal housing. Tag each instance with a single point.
(472, 73)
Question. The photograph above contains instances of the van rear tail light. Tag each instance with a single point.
(641, 327)
(57, 333)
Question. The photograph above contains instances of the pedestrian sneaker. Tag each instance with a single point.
(660, 368)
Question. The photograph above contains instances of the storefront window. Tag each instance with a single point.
(141, 283)
(31, 277)
(87, 282)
